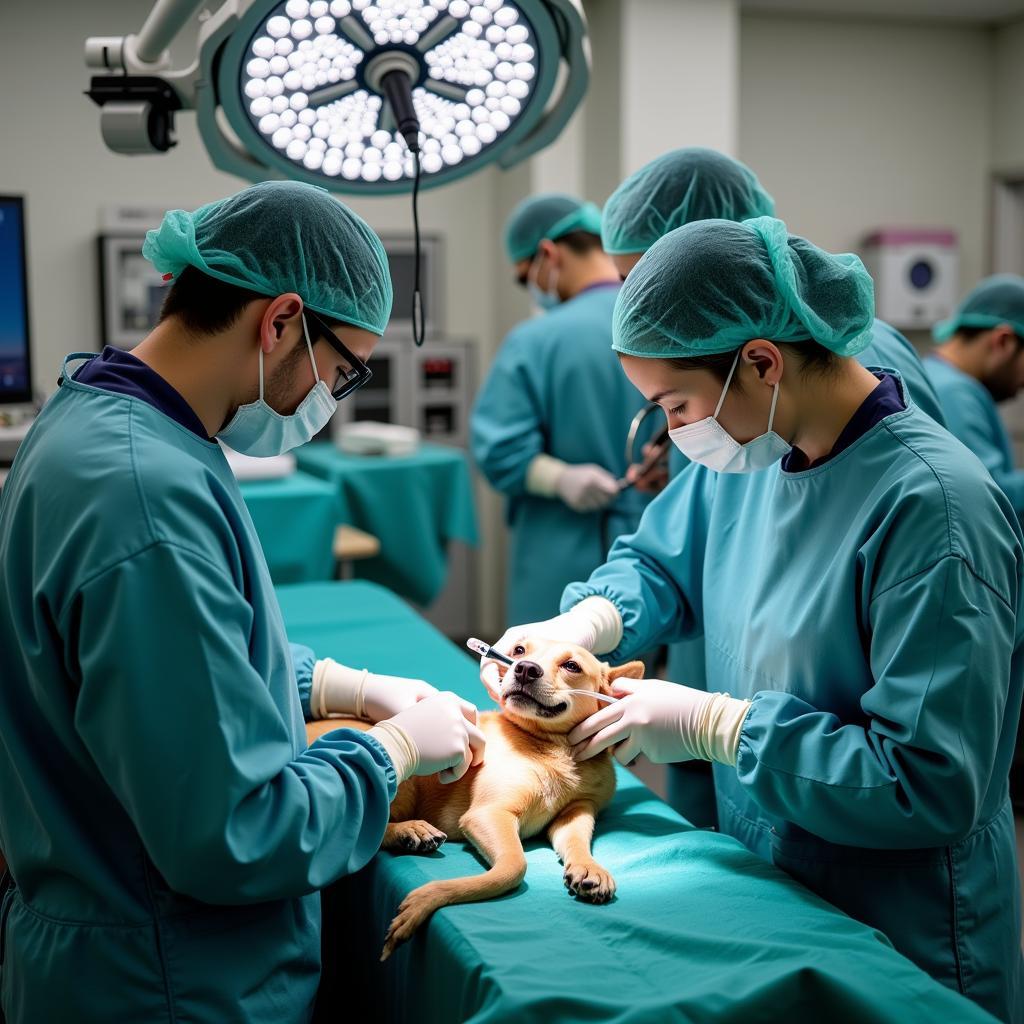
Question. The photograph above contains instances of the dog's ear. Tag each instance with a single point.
(631, 670)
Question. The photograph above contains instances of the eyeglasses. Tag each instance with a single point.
(357, 372)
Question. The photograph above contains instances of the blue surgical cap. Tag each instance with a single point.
(551, 215)
(283, 236)
(675, 189)
(714, 285)
(994, 301)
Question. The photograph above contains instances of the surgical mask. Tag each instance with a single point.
(257, 429)
(543, 300)
(710, 444)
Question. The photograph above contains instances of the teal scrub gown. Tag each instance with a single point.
(556, 387)
(166, 828)
(972, 416)
(690, 786)
(870, 608)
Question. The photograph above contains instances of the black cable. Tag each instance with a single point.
(419, 327)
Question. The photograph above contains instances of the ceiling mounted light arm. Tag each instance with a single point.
(141, 92)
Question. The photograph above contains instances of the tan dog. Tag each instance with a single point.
(528, 782)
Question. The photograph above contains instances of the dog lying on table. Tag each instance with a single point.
(528, 783)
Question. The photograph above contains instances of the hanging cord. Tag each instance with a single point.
(419, 326)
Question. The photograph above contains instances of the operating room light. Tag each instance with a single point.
(475, 61)
(297, 88)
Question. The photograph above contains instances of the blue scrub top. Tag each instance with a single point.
(121, 372)
(556, 387)
(883, 401)
(871, 610)
(164, 822)
(972, 416)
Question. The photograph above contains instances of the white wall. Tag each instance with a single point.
(856, 124)
(1008, 127)
(678, 76)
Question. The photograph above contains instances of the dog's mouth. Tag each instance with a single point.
(521, 699)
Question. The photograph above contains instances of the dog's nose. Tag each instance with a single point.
(526, 672)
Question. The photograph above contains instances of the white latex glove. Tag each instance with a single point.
(666, 721)
(594, 623)
(586, 488)
(340, 690)
(437, 734)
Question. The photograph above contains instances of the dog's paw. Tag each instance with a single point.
(589, 881)
(413, 911)
(414, 837)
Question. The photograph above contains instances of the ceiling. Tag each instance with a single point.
(973, 11)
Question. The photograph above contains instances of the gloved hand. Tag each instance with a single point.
(437, 734)
(594, 623)
(340, 690)
(666, 721)
(587, 487)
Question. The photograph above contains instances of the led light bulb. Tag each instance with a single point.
(278, 27)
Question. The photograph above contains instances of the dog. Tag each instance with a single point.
(528, 783)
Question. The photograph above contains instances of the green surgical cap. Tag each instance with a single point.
(283, 236)
(551, 215)
(675, 189)
(714, 285)
(994, 301)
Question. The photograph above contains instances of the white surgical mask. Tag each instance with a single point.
(543, 300)
(710, 444)
(257, 429)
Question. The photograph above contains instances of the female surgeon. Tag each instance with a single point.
(857, 578)
(679, 187)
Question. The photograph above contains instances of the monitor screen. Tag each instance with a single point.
(15, 365)
(402, 262)
(402, 280)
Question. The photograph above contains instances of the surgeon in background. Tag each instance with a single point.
(977, 363)
(678, 188)
(165, 826)
(549, 424)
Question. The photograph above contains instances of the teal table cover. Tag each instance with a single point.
(701, 930)
(414, 504)
(295, 518)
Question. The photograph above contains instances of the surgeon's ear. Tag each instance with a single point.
(1003, 340)
(279, 314)
(766, 360)
(631, 670)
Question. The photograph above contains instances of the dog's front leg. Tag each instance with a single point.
(495, 833)
(570, 834)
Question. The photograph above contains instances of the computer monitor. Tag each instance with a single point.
(402, 261)
(15, 355)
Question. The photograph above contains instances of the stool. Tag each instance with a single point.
(352, 545)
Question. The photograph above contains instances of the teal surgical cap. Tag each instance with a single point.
(551, 215)
(675, 189)
(994, 301)
(283, 236)
(714, 285)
